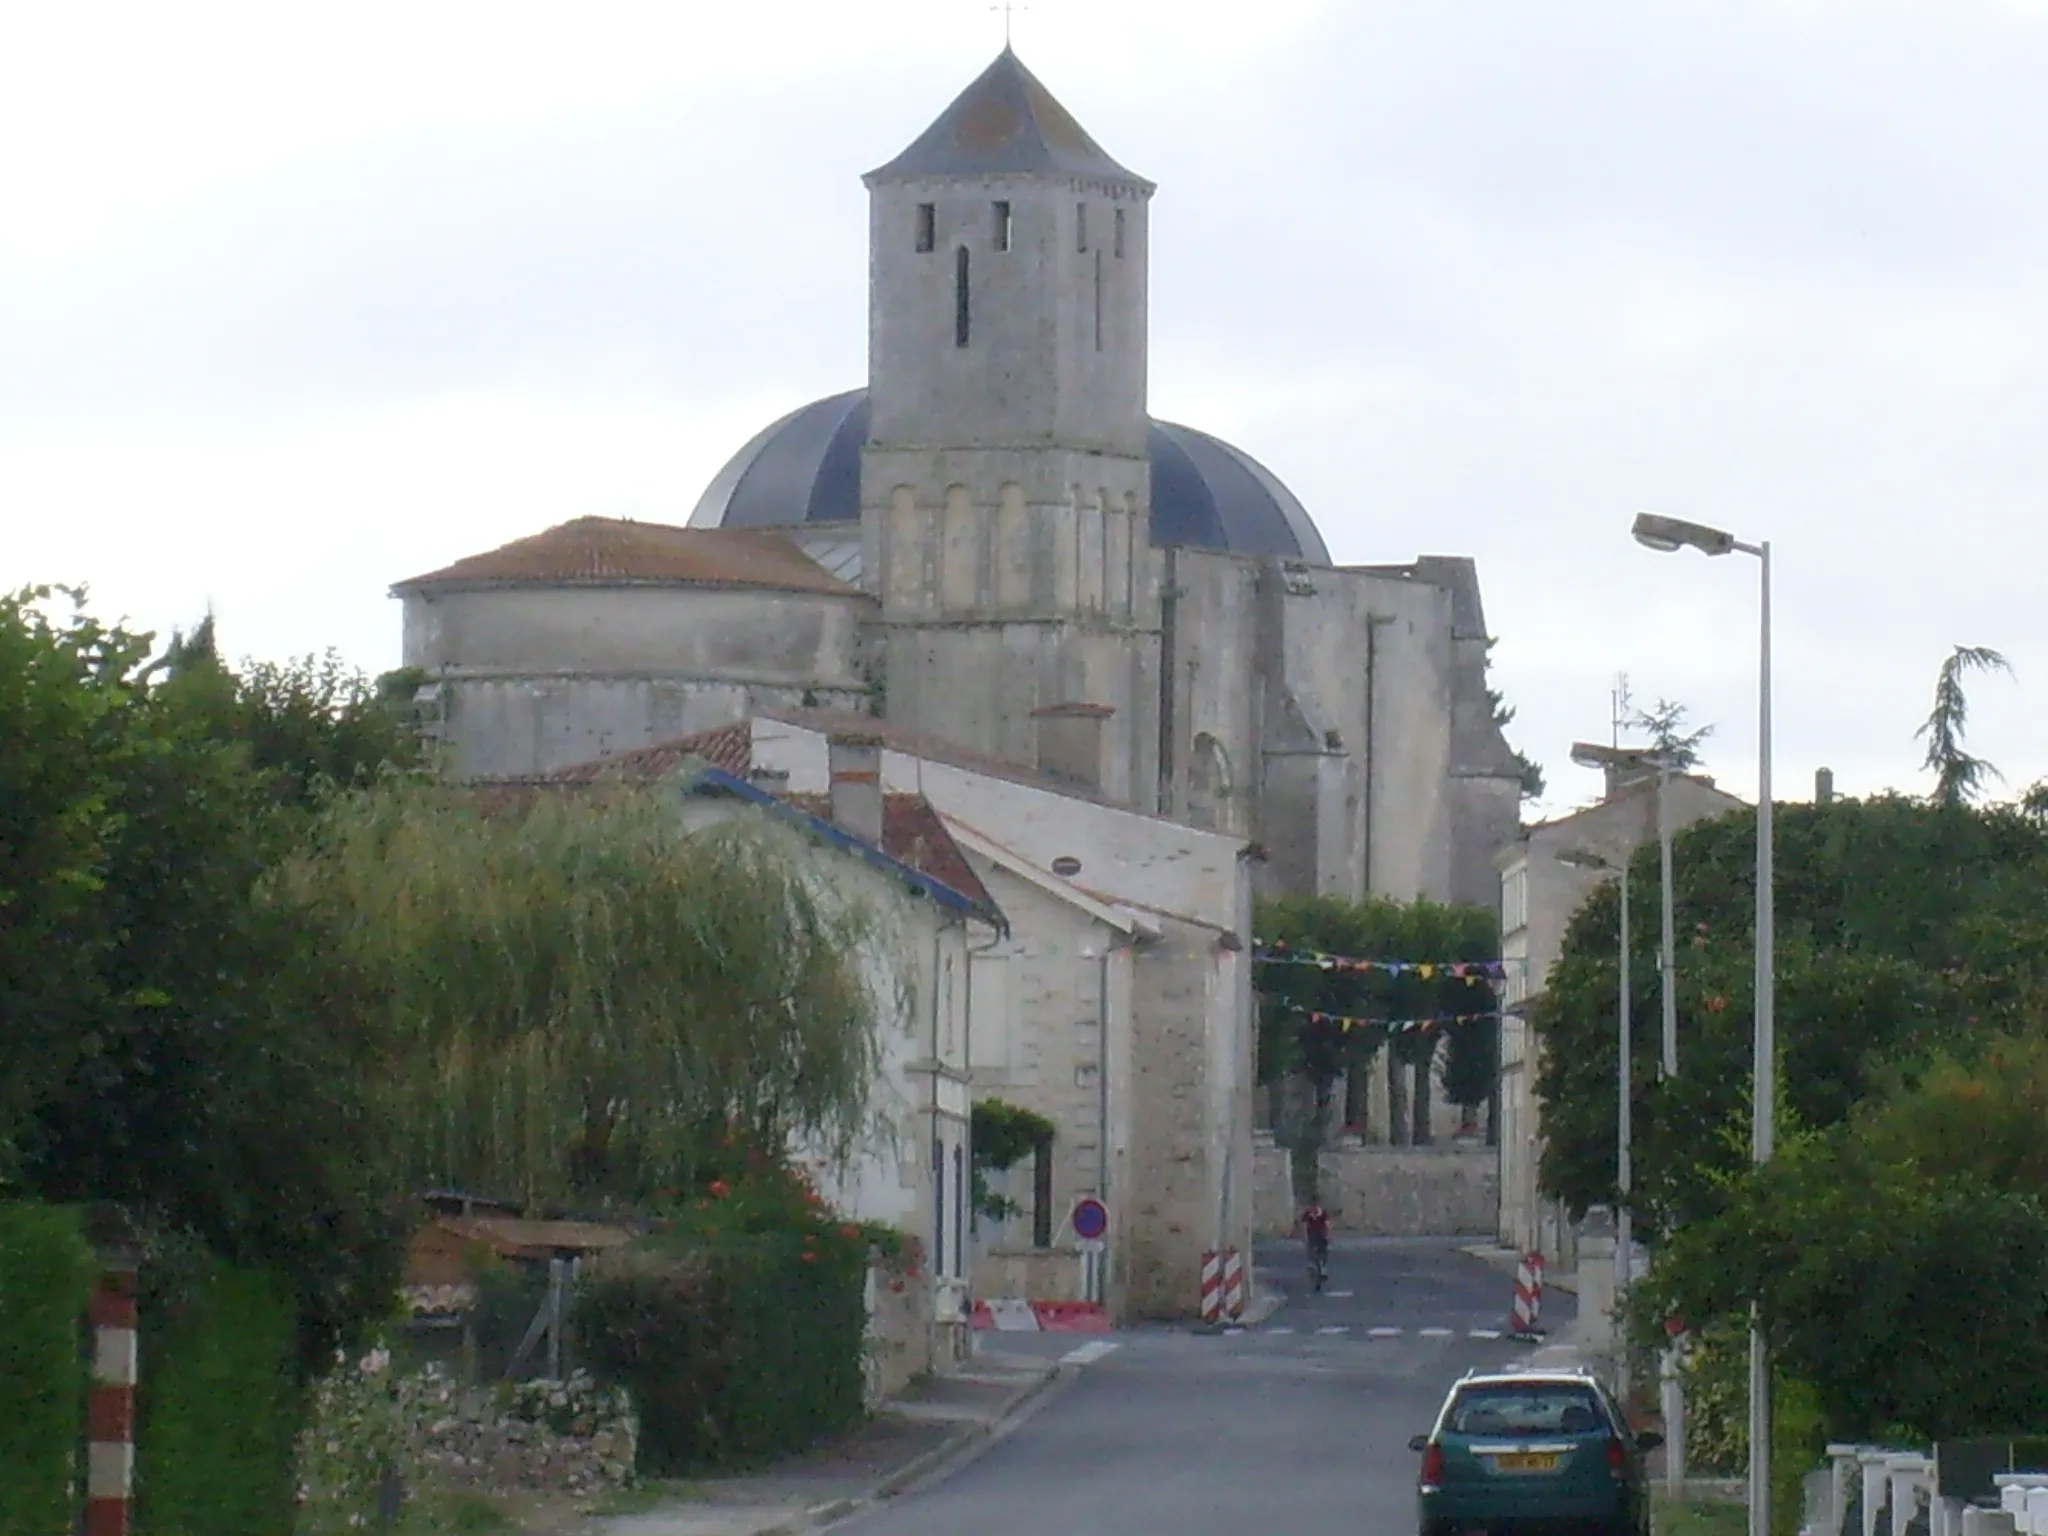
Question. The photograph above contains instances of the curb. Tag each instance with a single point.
(956, 1452)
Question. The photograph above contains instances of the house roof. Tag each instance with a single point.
(609, 551)
(913, 834)
(1006, 122)
(900, 738)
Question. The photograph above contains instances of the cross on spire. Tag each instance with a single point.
(1009, 8)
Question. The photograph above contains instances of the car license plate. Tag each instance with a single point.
(1529, 1461)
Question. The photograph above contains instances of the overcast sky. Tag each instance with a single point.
(298, 301)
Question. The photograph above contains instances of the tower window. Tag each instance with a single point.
(1080, 226)
(1098, 301)
(1002, 229)
(1119, 232)
(961, 306)
(927, 226)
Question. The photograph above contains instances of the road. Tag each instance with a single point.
(1299, 1426)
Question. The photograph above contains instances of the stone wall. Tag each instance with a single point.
(1388, 1191)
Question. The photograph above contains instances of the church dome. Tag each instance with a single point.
(1206, 493)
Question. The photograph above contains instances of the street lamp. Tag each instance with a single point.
(1624, 1131)
(1667, 534)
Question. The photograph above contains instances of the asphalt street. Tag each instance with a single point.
(1298, 1426)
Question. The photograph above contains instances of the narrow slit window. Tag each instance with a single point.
(1098, 301)
(962, 306)
(1041, 1196)
(1118, 233)
(1002, 230)
(927, 226)
(1080, 226)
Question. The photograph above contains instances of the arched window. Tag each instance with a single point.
(1209, 783)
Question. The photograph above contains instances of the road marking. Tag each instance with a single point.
(1339, 1295)
(1231, 1333)
(1483, 1333)
(1436, 1333)
(1384, 1333)
(1339, 1328)
(1088, 1353)
(1279, 1330)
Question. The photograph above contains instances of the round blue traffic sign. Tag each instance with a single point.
(1091, 1218)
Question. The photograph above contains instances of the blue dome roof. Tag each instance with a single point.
(805, 468)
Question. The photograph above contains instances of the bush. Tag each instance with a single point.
(46, 1276)
(219, 1403)
(739, 1327)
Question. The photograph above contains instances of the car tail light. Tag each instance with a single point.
(1433, 1464)
(1617, 1457)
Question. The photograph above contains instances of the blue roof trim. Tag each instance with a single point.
(718, 781)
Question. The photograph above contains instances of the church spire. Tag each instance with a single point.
(1005, 123)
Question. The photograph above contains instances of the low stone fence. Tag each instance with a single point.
(1957, 1490)
(1371, 1191)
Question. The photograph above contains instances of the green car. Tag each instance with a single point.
(1533, 1451)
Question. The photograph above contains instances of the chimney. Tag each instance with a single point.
(1823, 785)
(854, 763)
(1072, 739)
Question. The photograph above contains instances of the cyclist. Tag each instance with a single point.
(1315, 1230)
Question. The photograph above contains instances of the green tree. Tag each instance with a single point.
(1901, 926)
(574, 996)
(1664, 723)
(1958, 777)
(1319, 1052)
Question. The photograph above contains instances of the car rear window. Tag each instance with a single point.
(1559, 1409)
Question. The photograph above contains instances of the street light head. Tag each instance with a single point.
(1585, 858)
(1589, 754)
(1666, 534)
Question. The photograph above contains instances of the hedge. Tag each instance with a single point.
(219, 1404)
(733, 1353)
(46, 1279)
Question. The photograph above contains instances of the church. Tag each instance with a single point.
(995, 528)
(1111, 654)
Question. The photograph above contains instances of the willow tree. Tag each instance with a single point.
(576, 996)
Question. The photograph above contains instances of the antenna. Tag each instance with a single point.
(1619, 701)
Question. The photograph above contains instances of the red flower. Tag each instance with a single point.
(1717, 1003)
(809, 1258)
(720, 1188)
(850, 1232)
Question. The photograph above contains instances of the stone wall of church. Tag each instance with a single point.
(529, 679)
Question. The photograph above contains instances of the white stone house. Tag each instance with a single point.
(1539, 895)
(1117, 1002)
(924, 914)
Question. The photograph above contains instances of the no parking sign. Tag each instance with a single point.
(1090, 1219)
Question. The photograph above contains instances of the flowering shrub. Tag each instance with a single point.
(573, 1436)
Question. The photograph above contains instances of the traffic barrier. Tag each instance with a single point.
(1233, 1283)
(1006, 1315)
(1212, 1287)
(110, 1405)
(1525, 1319)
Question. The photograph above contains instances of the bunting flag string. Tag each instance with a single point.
(1473, 971)
(1391, 1026)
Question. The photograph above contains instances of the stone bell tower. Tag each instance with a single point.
(1005, 482)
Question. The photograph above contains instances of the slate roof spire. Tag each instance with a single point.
(1005, 123)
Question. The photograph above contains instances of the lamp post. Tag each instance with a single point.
(1670, 1390)
(1667, 534)
(1624, 1113)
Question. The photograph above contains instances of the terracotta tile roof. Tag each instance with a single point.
(730, 747)
(610, 549)
(914, 834)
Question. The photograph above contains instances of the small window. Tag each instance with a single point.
(1080, 226)
(962, 309)
(1098, 301)
(1041, 1196)
(1118, 234)
(927, 226)
(1002, 230)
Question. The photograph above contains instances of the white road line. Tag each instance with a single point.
(1339, 1328)
(1483, 1333)
(1231, 1333)
(1339, 1295)
(1279, 1330)
(1436, 1333)
(1384, 1333)
(1088, 1353)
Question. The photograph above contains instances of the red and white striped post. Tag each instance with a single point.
(1212, 1287)
(1233, 1283)
(110, 1408)
(1525, 1321)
